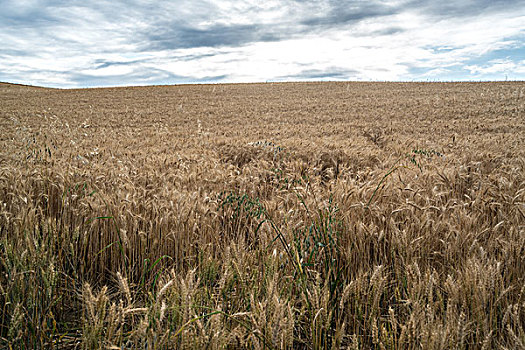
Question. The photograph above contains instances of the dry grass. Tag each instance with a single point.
(312, 215)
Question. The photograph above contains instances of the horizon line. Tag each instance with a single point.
(415, 81)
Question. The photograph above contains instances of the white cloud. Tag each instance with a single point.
(498, 66)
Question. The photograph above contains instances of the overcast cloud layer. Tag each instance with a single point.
(110, 43)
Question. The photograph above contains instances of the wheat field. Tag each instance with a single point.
(263, 216)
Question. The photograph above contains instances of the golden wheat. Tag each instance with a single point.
(299, 215)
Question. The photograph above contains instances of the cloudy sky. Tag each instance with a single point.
(77, 43)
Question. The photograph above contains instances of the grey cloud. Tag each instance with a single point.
(388, 31)
(171, 26)
(141, 79)
(41, 14)
(341, 13)
(172, 36)
(139, 75)
(101, 63)
(31, 17)
(462, 8)
(145, 74)
(193, 57)
(328, 73)
(6, 52)
(24, 21)
(175, 33)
